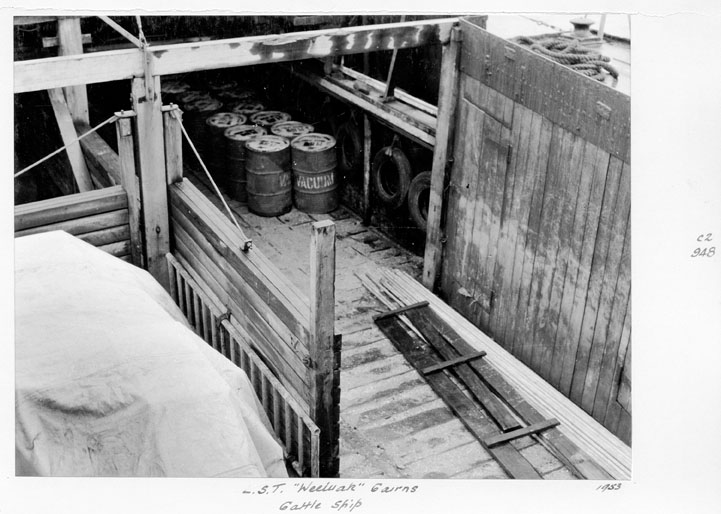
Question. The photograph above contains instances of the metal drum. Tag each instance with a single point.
(236, 137)
(231, 98)
(291, 129)
(195, 112)
(267, 167)
(218, 86)
(315, 182)
(216, 126)
(248, 107)
(171, 90)
(267, 119)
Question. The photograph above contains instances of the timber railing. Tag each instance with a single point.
(292, 335)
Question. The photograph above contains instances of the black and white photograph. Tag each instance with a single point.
(362, 261)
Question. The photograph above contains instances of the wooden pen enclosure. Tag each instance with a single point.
(538, 234)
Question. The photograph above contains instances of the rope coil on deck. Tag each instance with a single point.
(572, 54)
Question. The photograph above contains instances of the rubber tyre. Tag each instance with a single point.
(391, 176)
(418, 198)
(350, 147)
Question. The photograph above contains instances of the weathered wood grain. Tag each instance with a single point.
(447, 102)
(63, 208)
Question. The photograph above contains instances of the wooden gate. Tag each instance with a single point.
(538, 249)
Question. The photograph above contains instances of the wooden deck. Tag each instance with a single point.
(392, 424)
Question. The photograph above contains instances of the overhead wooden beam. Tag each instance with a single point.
(91, 68)
(69, 136)
(153, 187)
(447, 99)
(36, 74)
(386, 113)
(32, 20)
(70, 41)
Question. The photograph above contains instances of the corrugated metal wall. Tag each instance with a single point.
(538, 250)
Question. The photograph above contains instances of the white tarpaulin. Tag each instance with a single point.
(111, 381)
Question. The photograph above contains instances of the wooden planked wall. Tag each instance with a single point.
(98, 217)
(538, 250)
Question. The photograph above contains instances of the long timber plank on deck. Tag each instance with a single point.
(392, 423)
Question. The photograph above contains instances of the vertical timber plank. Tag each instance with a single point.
(596, 279)
(602, 338)
(173, 144)
(69, 136)
(574, 242)
(511, 233)
(70, 42)
(564, 197)
(126, 154)
(571, 332)
(323, 410)
(450, 253)
(610, 359)
(153, 189)
(366, 169)
(447, 102)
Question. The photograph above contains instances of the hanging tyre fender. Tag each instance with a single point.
(418, 198)
(350, 147)
(391, 176)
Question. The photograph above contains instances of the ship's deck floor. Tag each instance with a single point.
(393, 425)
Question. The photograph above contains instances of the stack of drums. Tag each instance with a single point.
(267, 168)
(248, 107)
(315, 184)
(195, 113)
(233, 97)
(171, 90)
(267, 119)
(291, 129)
(236, 137)
(217, 124)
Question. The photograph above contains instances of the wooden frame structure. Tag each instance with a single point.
(187, 244)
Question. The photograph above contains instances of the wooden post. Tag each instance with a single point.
(323, 351)
(447, 100)
(153, 188)
(70, 41)
(126, 154)
(173, 143)
(69, 136)
(366, 170)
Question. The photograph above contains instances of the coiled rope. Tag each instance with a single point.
(572, 54)
(112, 119)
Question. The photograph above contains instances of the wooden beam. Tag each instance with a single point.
(64, 208)
(70, 40)
(385, 113)
(69, 136)
(521, 432)
(366, 170)
(390, 80)
(324, 361)
(299, 45)
(38, 74)
(102, 161)
(153, 188)
(52, 41)
(126, 158)
(90, 68)
(173, 144)
(120, 30)
(447, 99)
(32, 20)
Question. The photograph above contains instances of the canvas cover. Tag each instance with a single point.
(110, 381)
